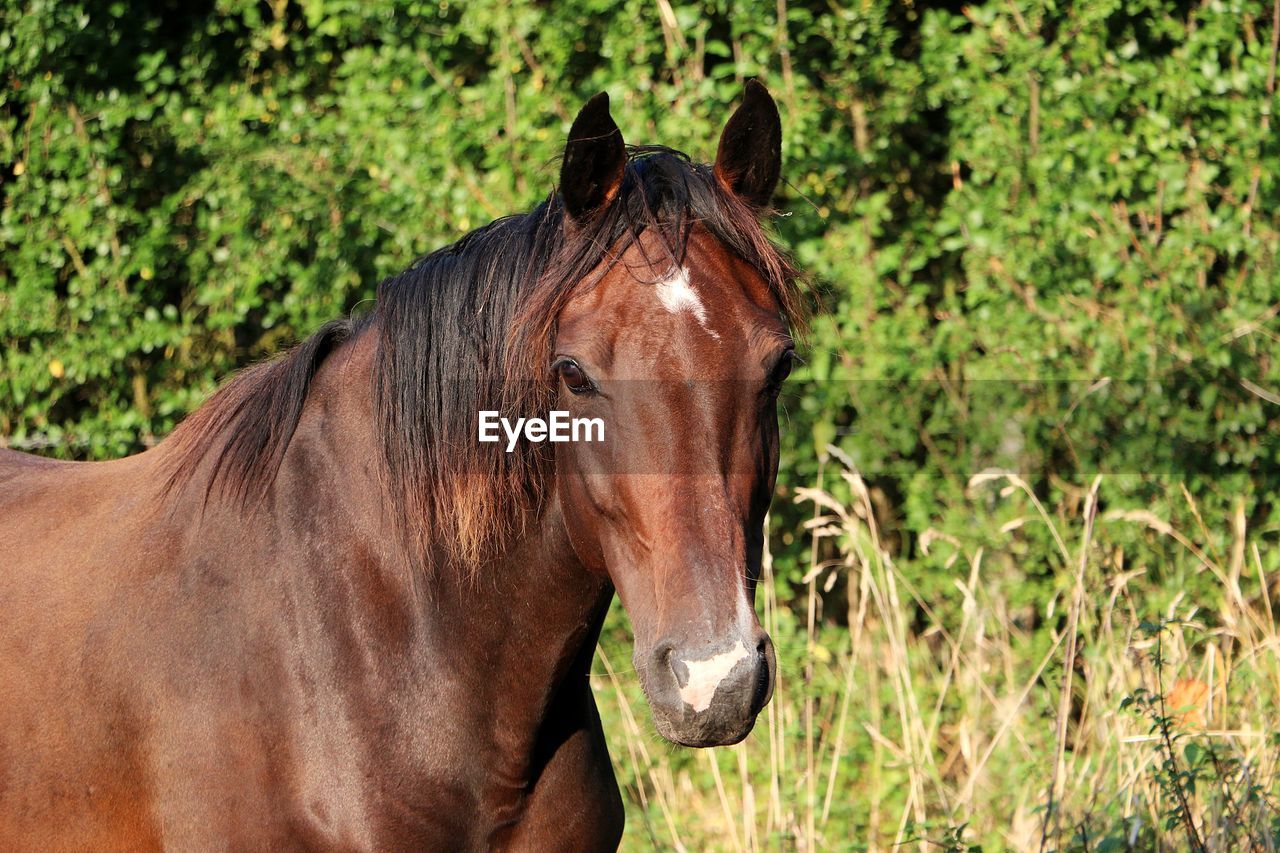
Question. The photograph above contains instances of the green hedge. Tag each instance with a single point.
(999, 204)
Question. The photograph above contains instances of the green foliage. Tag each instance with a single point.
(1202, 783)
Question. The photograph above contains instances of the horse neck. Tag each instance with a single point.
(526, 620)
(529, 621)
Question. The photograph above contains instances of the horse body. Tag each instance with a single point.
(290, 665)
(320, 615)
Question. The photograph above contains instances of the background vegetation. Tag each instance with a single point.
(1038, 420)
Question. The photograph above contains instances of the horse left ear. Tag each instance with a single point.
(595, 159)
(749, 159)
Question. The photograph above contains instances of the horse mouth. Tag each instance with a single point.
(705, 733)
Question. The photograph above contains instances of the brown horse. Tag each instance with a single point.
(324, 615)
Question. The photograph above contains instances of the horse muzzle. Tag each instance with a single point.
(707, 694)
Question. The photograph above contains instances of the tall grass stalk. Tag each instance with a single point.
(953, 721)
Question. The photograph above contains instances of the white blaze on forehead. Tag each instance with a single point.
(676, 294)
(705, 676)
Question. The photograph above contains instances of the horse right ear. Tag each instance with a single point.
(595, 159)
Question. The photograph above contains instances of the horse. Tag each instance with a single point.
(321, 614)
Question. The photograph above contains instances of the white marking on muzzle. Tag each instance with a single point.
(705, 676)
(676, 294)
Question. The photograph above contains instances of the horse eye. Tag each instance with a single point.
(780, 372)
(783, 369)
(574, 379)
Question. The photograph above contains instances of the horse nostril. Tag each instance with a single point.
(761, 693)
(663, 656)
(763, 686)
(764, 652)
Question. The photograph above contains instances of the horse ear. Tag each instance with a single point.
(749, 159)
(594, 159)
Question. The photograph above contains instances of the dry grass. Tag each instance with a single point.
(896, 726)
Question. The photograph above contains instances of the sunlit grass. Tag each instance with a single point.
(894, 725)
